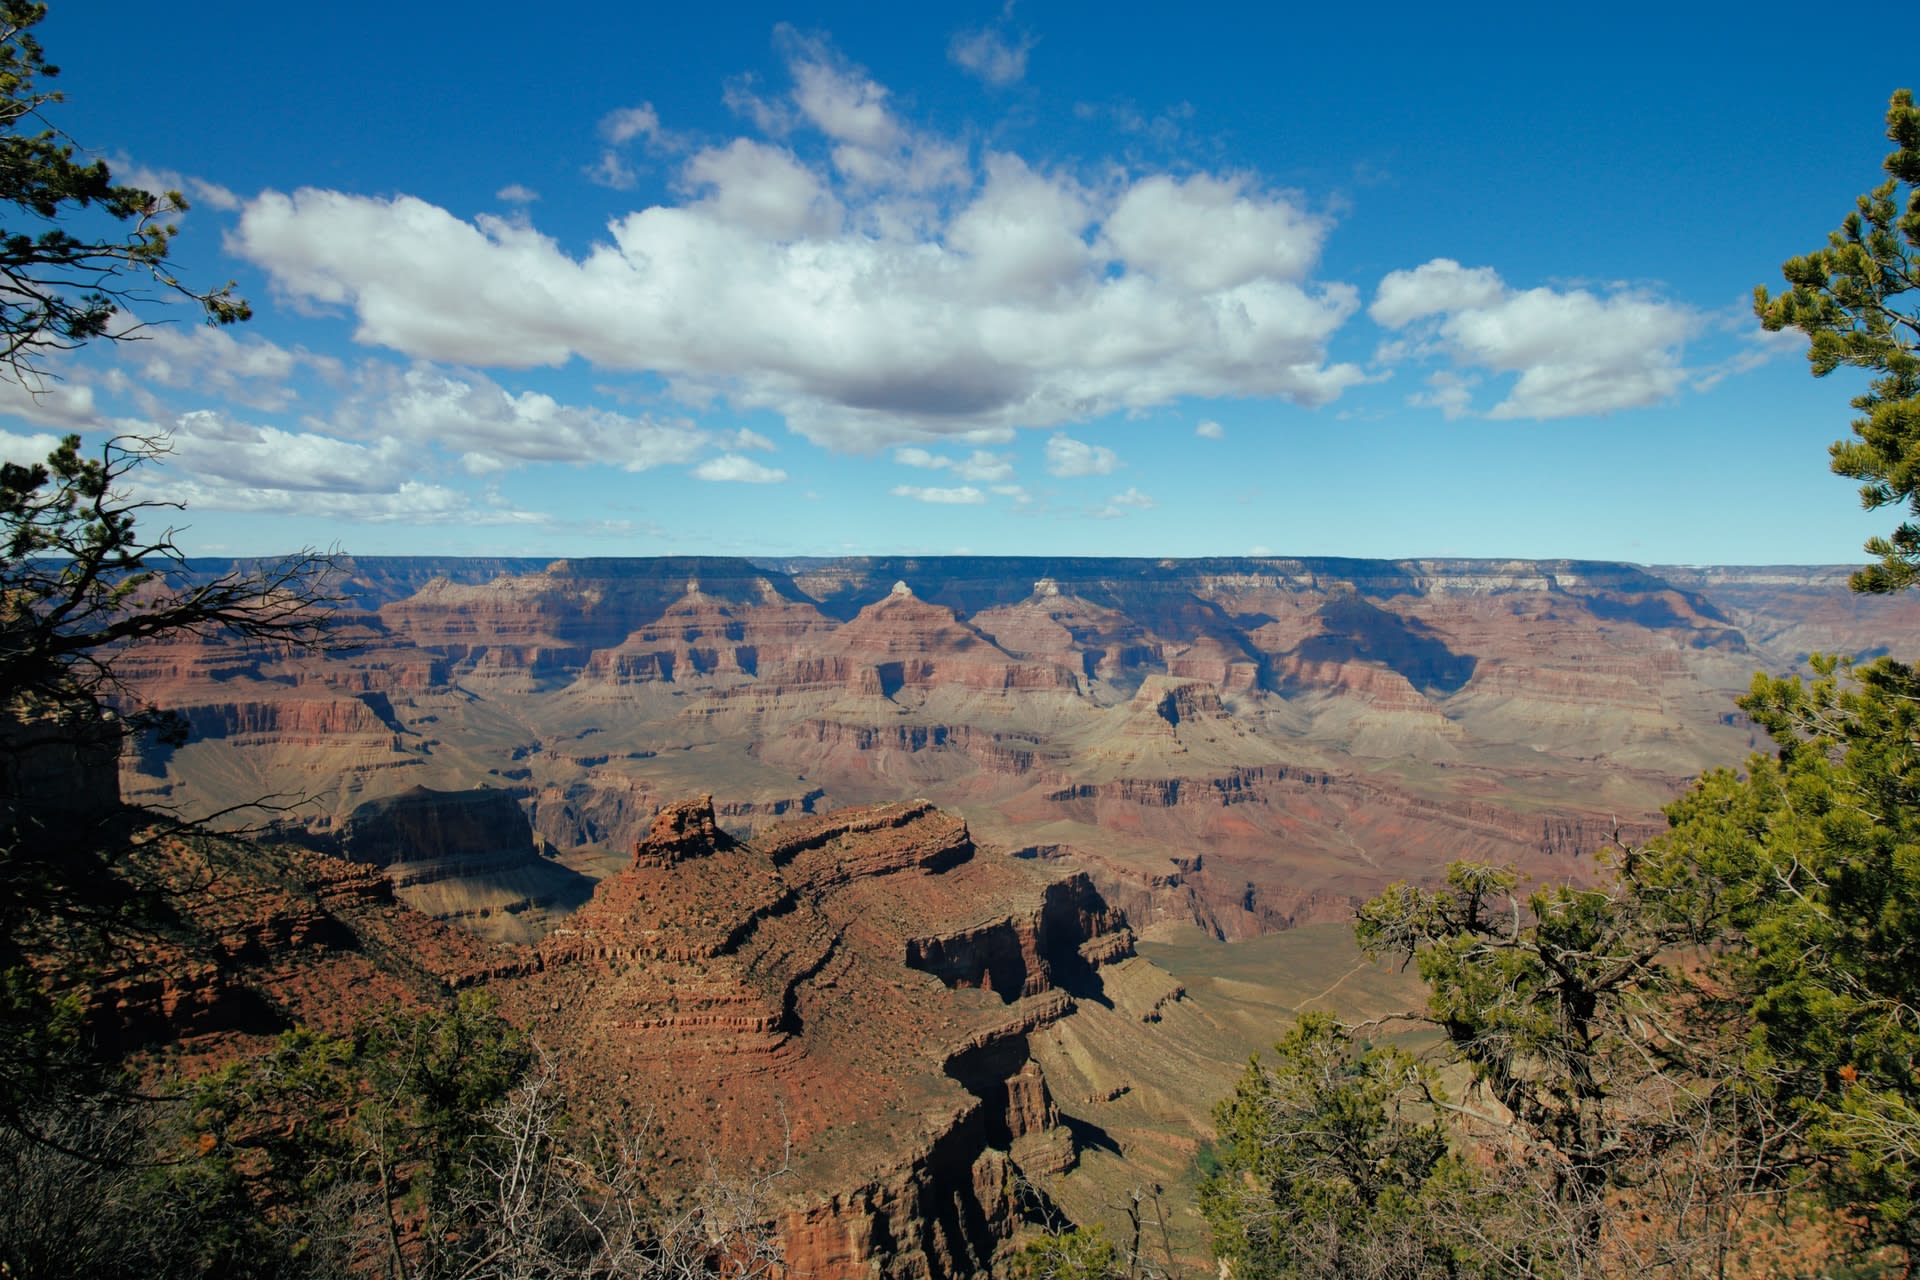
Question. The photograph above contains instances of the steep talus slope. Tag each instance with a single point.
(224, 944)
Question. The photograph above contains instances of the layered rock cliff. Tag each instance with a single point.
(1138, 710)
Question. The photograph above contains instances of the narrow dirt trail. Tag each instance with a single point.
(1331, 986)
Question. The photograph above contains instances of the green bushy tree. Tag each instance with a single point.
(1816, 854)
(1081, 1253)
(1821, 842)
(1617, 1120)
(379, 1129)
(1331, 1161)
(1858, 301)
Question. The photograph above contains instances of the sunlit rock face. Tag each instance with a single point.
(852, 997)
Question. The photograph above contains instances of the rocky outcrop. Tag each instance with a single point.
(1526, 838)
(309, 721)
(702, 638)
(681, 831)
(1225, 905)
(949, 1215)
(760, 985)
(423, 825)
(876, 841)
(1799, 609)
(1072, 633)
(1180, 702)
(290, 938)
(901, 641)
(1009, 753)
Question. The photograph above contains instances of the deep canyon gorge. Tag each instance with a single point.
(937, 878)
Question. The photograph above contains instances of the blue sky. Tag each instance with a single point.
(608, 279)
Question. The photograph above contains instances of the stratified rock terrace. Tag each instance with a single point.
(859, 985)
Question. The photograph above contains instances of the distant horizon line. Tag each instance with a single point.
(767, 561)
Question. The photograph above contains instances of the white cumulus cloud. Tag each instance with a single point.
(628, 123)
(1121, 504)
(762, 189)
(25, 451)
(64, 406)
(200, 358)
(873, 285)
(1434, 287)
(490, 428)
(747, 438)
(1210, 430)
(984, 467)
(235, 454)
(980, 466)
(612, 170)
(1574, 352)
(1449, 392)
(1211, 234)
(198, 191)
(413, 502)
(990, 55)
